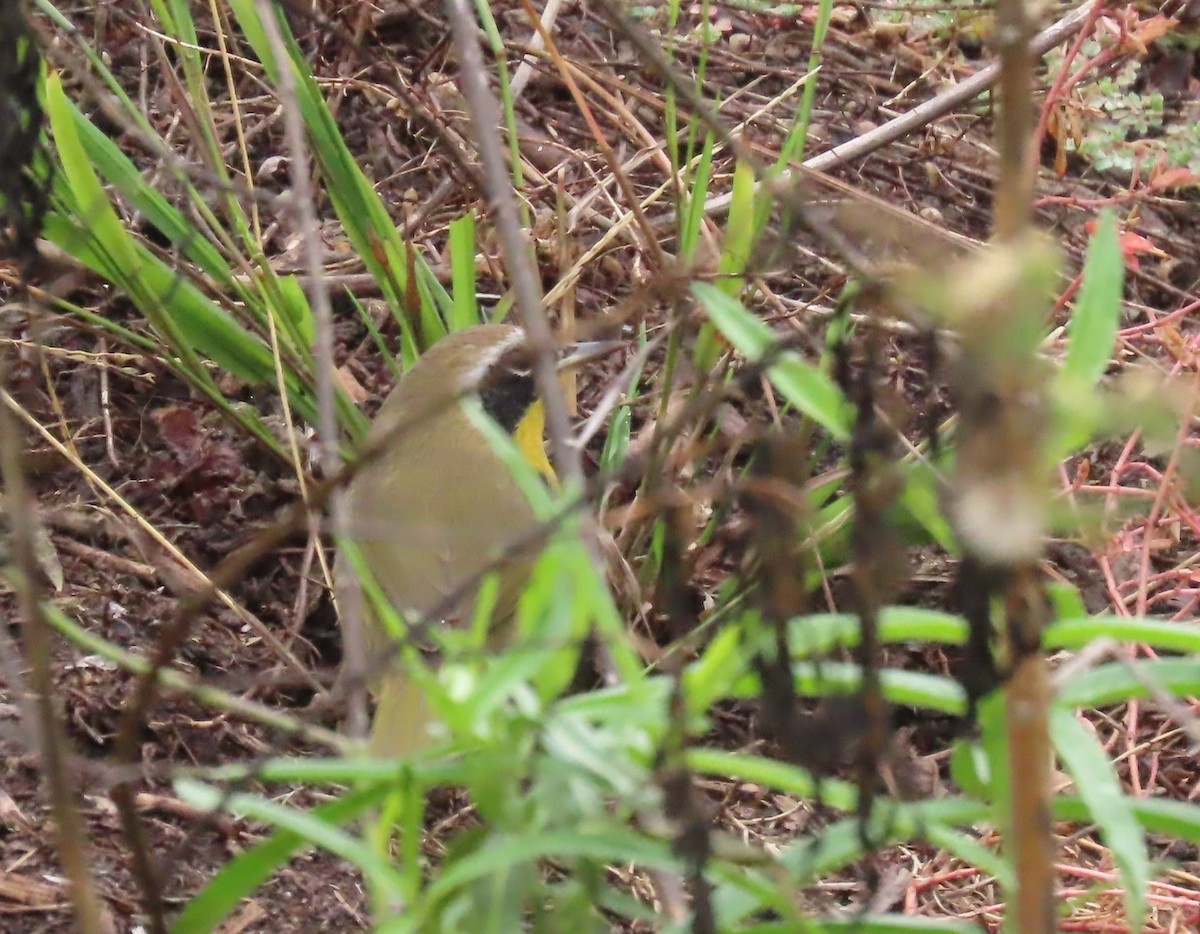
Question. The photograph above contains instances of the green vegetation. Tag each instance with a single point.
(579, 792)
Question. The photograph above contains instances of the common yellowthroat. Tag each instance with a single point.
(437, 507)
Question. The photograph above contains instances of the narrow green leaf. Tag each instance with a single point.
(251, 868)
(713, 674)
(1116, 683)
(120, 171)
(308, 825)
(1183, 637)
(968, 768)
(994, 743)
(355, 770)
(693, 215)
(370, 229)
(921, 498)
(739, 232)
(967, 848)
(1088, 764)
(93, 205)
(1179, 819)
(774, 774)
(819, 633)
(911, 688)
(840, 844)
(803, 385)
(797, 138)
(607, 844)
(301, 326)
(185, 318)
(1066, 602)
(1092, 328)
(465, 310)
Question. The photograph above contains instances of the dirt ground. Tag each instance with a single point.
(208, 489)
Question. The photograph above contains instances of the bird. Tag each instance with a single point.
(436, 507)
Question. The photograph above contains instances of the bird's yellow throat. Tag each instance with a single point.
(530, 440)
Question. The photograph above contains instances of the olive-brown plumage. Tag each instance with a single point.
(437, 506)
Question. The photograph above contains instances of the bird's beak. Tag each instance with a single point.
(576, 354)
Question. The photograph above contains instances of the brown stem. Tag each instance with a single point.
(52, 743)
(1027, 703)
(1027, 697)
(485, 116)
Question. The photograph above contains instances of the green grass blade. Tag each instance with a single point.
(183, 316)
(693, 214)
(123, 175)
(739, 232)
(464, 312)
(793, 147)
(370, 230)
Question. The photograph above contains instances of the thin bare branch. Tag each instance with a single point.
(485, 115)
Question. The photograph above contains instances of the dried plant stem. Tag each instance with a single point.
(876, 546)
(1014, 188)
(148, 871)
(1026, 713)
(52, 744)
(302, 201)
(649, 239)
(937, 106)
(485, 117)
(537, 42)
(1027, 698)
